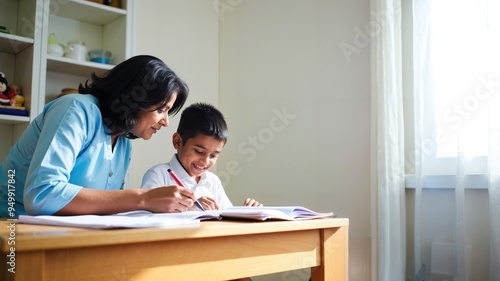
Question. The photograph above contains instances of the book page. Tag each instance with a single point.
(188, 215)
(273, 212)
(111, 221)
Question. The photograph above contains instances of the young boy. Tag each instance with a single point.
(200, 138)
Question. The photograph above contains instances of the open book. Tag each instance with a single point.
(141, 219)
(241, 212)
(273, 213)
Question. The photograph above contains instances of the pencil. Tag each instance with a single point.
(178, 181)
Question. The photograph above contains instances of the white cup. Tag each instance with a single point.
(55, 50)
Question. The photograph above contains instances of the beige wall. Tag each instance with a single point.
(185, 35)
(298, 108)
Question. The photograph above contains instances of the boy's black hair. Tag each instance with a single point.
(202, 118)
(135, 85)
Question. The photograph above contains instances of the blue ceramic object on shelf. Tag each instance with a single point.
(100, 56)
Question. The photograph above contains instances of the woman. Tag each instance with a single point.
(73, 158)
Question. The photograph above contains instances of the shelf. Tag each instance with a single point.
(70, 66)
(13, 119)
(13, 44)
(86, 11)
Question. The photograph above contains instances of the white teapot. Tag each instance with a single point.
(76, 50)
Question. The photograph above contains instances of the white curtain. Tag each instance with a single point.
(455, 45)
(456, 74)
(388, 201)
(494, 194)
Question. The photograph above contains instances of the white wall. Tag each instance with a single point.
(185, 35)
(297, 108)
(6, 143)
(284, 57)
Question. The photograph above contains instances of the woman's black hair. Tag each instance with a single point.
(202, 118)
(134, 85)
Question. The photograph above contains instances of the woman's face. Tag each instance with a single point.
(152, 120)
(3, 87)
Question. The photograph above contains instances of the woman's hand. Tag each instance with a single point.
(252, 203)
(207, 203)
(168, 199)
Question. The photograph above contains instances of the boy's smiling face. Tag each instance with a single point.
(198, 154)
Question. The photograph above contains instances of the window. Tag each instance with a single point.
(455, 59)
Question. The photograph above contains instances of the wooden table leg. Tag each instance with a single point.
(334, 256)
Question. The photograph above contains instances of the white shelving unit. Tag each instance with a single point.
(23, 53)
(13, 44)
(99, 26)
(19, 60)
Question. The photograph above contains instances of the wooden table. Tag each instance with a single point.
(217, 250)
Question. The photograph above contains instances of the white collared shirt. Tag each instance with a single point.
(209, 185)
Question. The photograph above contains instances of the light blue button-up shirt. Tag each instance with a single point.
(64, 149)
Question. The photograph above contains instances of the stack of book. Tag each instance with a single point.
(21, 111)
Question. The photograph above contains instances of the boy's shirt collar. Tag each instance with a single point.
(181, 173)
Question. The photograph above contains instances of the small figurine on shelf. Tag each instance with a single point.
(5, 98)
(18, 99)
(11, 100)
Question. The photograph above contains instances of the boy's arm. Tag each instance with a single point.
(207, 203)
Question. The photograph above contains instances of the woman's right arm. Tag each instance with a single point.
(171, 199)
